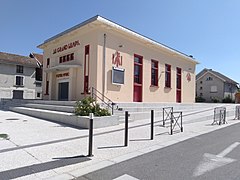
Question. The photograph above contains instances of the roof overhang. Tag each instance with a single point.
(105, 23)
(62, 67)
(215, 76)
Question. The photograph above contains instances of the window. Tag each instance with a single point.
(137, 69)
(60, 59)
(213, 89)
(179, 78)
(200, 88)
(19, 80)
(47, 87)
(117, 75)
(19, 69)
(48, 62)
(154, 73)
(167, 75)
(72, 57)
(209, 78)
(38, 84)
(86, 69)
(200, 82)
(66, 58)
(38, 76)
(201, 94)
(38, 95)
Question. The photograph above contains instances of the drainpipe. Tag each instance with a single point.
(104, 65)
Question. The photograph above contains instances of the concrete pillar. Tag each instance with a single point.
(53, 86)
(72, 84)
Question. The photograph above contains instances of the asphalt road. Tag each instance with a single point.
(214, 155)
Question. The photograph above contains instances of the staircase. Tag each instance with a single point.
(62, 110)
(191, 111)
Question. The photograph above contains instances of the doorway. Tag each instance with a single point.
(63, 91)
(17, 94)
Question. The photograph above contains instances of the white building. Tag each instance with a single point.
(18, 77)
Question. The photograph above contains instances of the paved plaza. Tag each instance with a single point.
(40, 149)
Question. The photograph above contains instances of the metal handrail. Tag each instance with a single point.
(95, 96)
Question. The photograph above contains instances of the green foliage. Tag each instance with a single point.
(4, 136)
(227, 99)
(215, 100)
(200, 99)
(88, 105)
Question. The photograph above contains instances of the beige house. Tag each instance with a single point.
(120, 63)
(213, 86)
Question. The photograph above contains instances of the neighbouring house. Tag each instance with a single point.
(213, 86)
(18, 77)
(121, 64)
(38, 75)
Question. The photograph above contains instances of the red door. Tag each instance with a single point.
(137, 89)
(179, 85)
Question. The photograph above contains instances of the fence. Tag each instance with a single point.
(237, 113)
(219, 116)
(167, 114)
(176, 122)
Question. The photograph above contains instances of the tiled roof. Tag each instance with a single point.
(7, 58)
(225, 78)
(39, 57)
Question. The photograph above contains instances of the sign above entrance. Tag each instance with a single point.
(62, 75)
(66, 46)
(117, 59)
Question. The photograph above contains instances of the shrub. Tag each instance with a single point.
(227, 99)
(88, 105)
(215, 100)
(200, 99)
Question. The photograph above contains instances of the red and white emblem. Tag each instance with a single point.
(117, 59)
(188, 76)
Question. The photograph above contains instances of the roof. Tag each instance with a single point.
(215, 73)
(7, 58)
(120, 28)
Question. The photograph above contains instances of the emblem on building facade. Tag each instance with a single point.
(188, 76)
(117, 59)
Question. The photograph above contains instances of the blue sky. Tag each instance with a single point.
(207, 29)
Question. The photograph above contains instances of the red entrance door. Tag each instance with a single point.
(179, 85)
(137, 89)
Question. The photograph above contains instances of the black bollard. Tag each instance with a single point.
(90, 144)
(152, 124)
(126, 129)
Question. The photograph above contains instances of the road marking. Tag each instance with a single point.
(228, 149)
(126, 177)
(211, 161)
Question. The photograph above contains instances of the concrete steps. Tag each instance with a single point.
(194, 112)
(59, 108)
(51, 115)
(67, 118)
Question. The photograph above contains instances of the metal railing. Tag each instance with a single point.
(167, 114)
(237, 113)
(97, 95)
(176, 121)
(219, 116)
